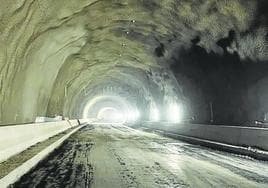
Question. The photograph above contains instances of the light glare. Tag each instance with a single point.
(154, 114)
(112, 115)
(133, 115)
(174, 113)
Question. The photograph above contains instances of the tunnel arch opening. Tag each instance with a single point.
(111, 108)
(111, 115)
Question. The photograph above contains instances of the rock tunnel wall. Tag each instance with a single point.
(57, 55)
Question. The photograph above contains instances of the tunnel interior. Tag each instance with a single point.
(139, 60)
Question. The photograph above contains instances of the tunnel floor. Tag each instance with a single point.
(112, 156)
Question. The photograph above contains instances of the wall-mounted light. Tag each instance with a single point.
(154, 114)
(174, 113)
(133, 115)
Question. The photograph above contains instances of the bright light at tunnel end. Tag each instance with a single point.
(116, 116)
(174, 113)
(111, 112)
(110, 115)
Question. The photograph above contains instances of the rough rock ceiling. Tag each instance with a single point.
(57, 55)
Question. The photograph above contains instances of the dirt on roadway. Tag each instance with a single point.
(115, 156)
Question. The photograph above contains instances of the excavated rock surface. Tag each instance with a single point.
(56, 55)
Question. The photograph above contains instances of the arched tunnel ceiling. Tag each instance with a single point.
(53, 52)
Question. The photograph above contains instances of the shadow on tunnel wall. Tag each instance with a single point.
(237, 89)
(230, 80)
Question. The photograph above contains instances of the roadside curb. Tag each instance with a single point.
(17, 173)
(240, 150)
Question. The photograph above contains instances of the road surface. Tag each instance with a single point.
(115, 156)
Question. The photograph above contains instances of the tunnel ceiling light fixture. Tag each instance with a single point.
(175, 113)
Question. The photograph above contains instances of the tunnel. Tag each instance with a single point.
(190, 76)
(55, 58)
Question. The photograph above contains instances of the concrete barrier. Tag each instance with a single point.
(83, 121)
(16, 138)
(88, 120)
(235, 135)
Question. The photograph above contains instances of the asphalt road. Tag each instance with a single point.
(115, 156)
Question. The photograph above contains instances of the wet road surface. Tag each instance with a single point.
(115, 156)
